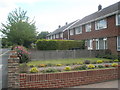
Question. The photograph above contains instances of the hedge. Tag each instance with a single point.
(59, 44)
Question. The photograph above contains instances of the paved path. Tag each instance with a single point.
(108, 84)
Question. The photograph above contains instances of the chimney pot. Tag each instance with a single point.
(99, 7)
(59, 26)
(66, 23)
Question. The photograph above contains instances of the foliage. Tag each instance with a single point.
(67, 68)
(58, 64)
(91, 66)
(34, 70)
(42, 35)
(50, 70)
(116, 60)
(22, 53)
(106, 65)
(100, 66)
(18, 29)
(99, 61)
(59, 44)
(114, 64)
(42, 65)
(80, 63)
(23, 68)
(87, 62)
(83, 67)
(6, 43)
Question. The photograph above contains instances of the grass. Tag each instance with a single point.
(64, 61)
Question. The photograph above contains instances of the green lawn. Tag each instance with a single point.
(64, 61)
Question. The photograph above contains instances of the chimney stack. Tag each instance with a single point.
(99, 7)
(66, 23)
(59, 26)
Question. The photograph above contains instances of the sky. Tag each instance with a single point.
(49, 14)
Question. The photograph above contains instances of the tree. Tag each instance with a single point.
(18, 29)
(42, 35)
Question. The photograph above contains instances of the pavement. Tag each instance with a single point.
(107, 84)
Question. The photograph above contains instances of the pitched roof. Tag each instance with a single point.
(112, 9)
(63, 28)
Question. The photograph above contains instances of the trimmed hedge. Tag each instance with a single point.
(59, 44)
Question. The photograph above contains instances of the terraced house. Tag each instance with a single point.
(100, 30)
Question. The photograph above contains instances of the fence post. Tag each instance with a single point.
(13, 70)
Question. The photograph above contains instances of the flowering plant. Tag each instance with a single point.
(22, 53)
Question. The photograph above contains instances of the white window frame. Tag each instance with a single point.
(117, 19)
(72, 32)
(117, 44)
(78, 30)
(98, 44)
(88, 27)
(97, 24)
(91, 44)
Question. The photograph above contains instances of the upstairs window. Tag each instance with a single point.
(118, 43)
(71, 32)
(88, 27)
(101, 24)
(78, 30)
(118, 19)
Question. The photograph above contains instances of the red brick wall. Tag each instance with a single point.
(110, 31)
(67, 79)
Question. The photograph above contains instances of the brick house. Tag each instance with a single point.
(100, 30)
(61, 32)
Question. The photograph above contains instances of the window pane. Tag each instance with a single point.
(119, 41)
(119, 19)
(71, 32)
(101, 44)
(78, 30)
(101, 24)
(88, 27)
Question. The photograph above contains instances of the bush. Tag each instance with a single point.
(22, 53)
(116, 60)
(42, 65)
(94, 62)
(49, 64)
(59, 44)
(50, 70)
(80, 63)
(58, 64)
(91, 66)
(114, 64)
(106, 65)
(67, 68)
(99, 61)
(23, 68)
(83, 67)
(87, 62)
(100, 66)
(34, 70)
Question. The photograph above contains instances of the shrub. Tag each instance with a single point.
(99, 61)
(59, 44)
(50, 70)
(100, 66)
(22, 53)
(106, 65)
(23, 68)
(80, 63)
(114, 64)
(91, 66)
(106, 61)
(87, 62)
(94, 62)
(49, 64)
(42, 65)
(67, 68)
(116, 60)
(31, 65)
(110, 61)
(34, 70)
(83, 67)
(58, 64)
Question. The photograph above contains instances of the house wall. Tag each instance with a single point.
(65, 34)
(111, 32)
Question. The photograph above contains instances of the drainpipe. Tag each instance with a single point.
(68, 35)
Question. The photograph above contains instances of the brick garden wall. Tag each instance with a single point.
(66, 79)
(55, 80)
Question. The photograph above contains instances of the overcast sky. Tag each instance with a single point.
(49, 14)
